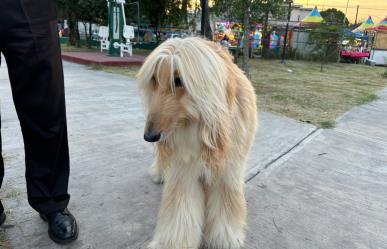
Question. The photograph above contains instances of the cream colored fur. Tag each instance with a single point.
(202, 162)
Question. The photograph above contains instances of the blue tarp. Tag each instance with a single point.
(358, 35)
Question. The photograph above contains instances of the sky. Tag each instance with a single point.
(377, 9)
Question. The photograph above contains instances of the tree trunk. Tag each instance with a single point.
(324, 59)
(185, 11)
(72, 30)
(246, 40)
(207, 25)
(77, 35)
(86, 36)
(265, 36)
(90, 38)
(158, 33)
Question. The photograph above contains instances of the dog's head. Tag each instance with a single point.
(170, 106)
(186, 81)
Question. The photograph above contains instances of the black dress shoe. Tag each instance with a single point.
(62, 226)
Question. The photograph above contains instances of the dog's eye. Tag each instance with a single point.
(178, 82)
(153, 81)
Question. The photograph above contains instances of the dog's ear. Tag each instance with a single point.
(215, 145)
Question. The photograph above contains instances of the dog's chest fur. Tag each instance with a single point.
(186, 155)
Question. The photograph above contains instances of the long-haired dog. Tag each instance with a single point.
(202, 114)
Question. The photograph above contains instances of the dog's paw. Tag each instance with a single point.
(154, 245)
(155, 174)
(160, 245)
(225, 241)
(157, 245)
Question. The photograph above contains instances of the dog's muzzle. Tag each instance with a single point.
(152, 137)
(151, 134)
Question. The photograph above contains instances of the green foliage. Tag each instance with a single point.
(367, 98)
(87, 11)
(334, 16)
(164, 12)
(325, 36)
(84, 10)
(156, 13)
(327, 124)
(325, 39)
(153, 11)
(234, 10)
(258, 11)
(276, 8)
(93, 11)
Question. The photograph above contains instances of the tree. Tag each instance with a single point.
(162, 12)
(246, 36)
(67, 11)
(334, 16)
(325, 39)
(249, 12)
(206, 26)
(184, 7)
(156, 13)
(237, 11)
(87, 11)
(91, 11)
(265, 8)
(194, 18)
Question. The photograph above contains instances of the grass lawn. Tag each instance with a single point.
(298, 89)
(68, 48)
(310, 96)
(127, 71)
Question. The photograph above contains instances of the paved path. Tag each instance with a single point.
(330, 192)
(306, 188)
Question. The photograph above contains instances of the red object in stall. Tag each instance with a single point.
(354, 55)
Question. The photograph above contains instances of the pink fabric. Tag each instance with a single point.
(354, 55)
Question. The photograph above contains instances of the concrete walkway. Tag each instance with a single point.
(306, 188)
(330, 192)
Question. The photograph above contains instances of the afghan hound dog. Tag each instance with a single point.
(201, 111)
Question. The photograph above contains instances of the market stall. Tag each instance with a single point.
(379, 45)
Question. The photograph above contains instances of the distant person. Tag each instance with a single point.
(225, 40)
(29, 42)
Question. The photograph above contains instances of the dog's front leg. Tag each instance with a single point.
(181, 215)
(225, 214)
(155, 171)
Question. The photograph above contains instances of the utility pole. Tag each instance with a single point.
(286, 30)
(203, 19)
(342, 34)
(357, 12)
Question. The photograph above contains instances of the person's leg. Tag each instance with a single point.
(32, 52)
(1, 170)
(2, 33)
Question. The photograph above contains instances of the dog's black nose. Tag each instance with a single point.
(152, 136)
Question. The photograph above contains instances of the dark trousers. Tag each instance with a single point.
(29, 43)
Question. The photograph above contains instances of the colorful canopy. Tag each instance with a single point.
(313, 17)
(382, 26)
(365, 25)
